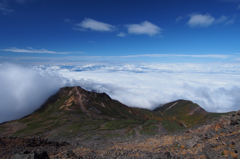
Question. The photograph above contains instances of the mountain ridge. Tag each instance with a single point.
(74, 105)
(75, 123)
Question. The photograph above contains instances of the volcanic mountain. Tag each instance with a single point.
(76, 123)
(75, 111)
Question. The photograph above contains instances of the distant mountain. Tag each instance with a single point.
(74, 111)
(185, 112)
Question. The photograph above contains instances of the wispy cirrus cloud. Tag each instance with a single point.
(200, 20)
(181, 55)
(67, 20)
(31, 50)
(179, 19)
(121, 34)
(238, 6)
(223, 18)
(4, 8)
(23, 1)
(144, 28)
(230, 22)
(94, 25)
(20, 1)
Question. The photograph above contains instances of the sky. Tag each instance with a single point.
(141, 52)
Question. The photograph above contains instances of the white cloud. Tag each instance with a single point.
(199, 20)
(23, 1)
(121, 34)
(143, 28)
(20, 1)
(230, 0)
(23, 90)
(5, 9)
(179, 19)
(31, 50)
(215, 86)
(88, 23)
(181, 55)
(92, 42)
(223, 18)
(230, 22)
(68, 20)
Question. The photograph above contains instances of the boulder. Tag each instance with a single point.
(31, 155)
(237, 149)
(190, 144)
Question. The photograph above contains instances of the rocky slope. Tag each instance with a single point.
(220, 139)
(75, 123)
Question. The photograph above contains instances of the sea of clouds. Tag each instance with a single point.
(215, 87)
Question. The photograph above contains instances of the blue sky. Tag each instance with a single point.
(168, 31)
(142, 53)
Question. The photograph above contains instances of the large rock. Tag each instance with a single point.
(237, 148)
(192, 142)
(210, 154)
(235, 119)
(31, 155)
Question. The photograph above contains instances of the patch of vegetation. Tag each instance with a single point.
(2, 128)
(83, 127)
(149, 127)
(120, 124)
(172, 125)
(112, 135)
(216, 115)
(150, 122)
(131, 133)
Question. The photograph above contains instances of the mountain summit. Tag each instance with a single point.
(80, 102)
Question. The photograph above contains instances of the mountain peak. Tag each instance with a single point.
(184, 111)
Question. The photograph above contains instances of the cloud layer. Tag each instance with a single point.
(215, 86)
(31, 50)
(23, 90)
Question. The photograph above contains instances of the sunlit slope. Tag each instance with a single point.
(97, 105)
(183, 113)
(73, 111)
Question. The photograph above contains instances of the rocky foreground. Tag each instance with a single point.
(218, 139)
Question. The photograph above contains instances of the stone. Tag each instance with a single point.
(210, 154)
(190, 144)
(23, 156)
(237, 149)
(31, 155)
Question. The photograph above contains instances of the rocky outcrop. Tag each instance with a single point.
(36, 147)
(31, 155)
